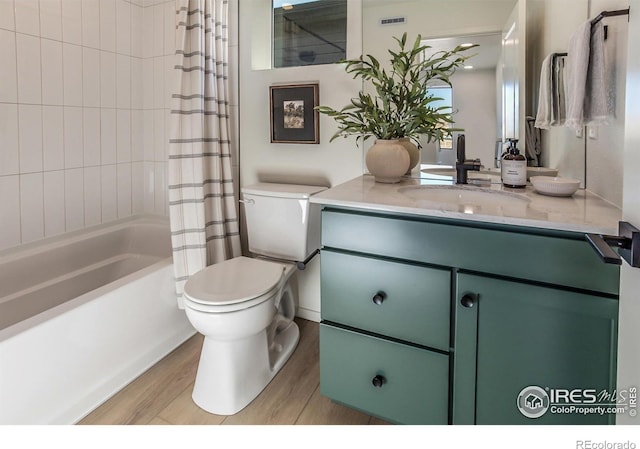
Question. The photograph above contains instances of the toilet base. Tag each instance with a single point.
(232, 373)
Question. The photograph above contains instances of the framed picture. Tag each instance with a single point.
(293, 115)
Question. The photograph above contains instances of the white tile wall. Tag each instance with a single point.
(54, 210)
(10, 155)
(7, 19)
(51, 19)
(52, 73)
(53, 137)
(84, 112)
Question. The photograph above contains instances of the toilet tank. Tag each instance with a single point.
(281, 222)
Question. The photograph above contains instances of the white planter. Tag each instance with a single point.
(387, 161)
(414, 152)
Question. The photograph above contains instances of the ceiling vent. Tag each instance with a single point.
(393, 21)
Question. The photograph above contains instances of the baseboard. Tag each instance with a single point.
(307, 314)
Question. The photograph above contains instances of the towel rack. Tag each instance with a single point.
(603, 14)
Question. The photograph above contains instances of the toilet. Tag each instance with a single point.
(245, 306)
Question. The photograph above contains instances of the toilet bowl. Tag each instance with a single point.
(244, 307)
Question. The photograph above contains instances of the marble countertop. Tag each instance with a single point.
(582, 212)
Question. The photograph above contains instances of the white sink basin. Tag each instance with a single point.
(470, 200)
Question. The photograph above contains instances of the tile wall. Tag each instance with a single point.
(84, 111)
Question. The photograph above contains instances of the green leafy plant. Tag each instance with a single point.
(401, 105)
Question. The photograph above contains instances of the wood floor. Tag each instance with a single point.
(162, 395)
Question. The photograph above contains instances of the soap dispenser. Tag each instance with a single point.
(514, 166)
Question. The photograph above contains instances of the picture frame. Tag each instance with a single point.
(294, 118)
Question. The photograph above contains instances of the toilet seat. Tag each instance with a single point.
(234, 284)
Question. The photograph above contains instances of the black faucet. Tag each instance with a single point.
(462, 164)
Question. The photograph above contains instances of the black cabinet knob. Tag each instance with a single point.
(378, 298)
(469, 300)
(378, 381)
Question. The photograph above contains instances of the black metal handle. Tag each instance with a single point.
(601, 245)
(469, 300)
(627, 241)
(378, 381)
(378, 298)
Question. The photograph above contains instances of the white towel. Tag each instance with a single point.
(577, 67)
(587, 102)
(597, 108)
(544, 116)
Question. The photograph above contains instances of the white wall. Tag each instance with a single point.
(326, 163)
(84, 112)
(474, 97)
(322, 164)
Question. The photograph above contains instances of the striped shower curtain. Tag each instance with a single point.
(202, 206)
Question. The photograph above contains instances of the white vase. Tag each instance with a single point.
(387, 160)
(414, 152)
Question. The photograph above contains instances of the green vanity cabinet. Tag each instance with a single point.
(433, 321)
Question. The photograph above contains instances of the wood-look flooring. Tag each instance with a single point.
(162, 395)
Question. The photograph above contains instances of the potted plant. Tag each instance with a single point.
(399, 106)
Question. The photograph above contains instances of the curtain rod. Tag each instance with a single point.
(603, 14)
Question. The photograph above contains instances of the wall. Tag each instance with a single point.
(475, 99)
(322, 164)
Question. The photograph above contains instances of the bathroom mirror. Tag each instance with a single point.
(477, 96)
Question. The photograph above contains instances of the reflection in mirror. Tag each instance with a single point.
(473, 98)
(476, 97)
(309, 32)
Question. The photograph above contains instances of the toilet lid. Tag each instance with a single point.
(233, 281)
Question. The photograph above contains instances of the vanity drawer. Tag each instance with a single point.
(414, 386)
(405, 301)
(554, 257)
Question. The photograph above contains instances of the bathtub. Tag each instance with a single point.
(82, 315)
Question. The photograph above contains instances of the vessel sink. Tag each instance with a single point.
(470, 200)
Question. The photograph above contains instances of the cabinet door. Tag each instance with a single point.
(511, 335)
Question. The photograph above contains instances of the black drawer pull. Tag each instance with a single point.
(378, 381)
(469, 300)
(378, 298)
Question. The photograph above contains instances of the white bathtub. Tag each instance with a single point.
(82, 315)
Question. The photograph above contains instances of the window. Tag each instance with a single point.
(445, 95)
(309, 32)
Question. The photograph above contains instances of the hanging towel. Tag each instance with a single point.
(544, 117)
(552, 109)
(597, 108)
(559, 90)
(587, 102)
(532, 143)
(577, 67)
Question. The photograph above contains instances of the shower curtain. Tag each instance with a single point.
(202, 206)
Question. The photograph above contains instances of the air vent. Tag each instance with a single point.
(393, 20)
